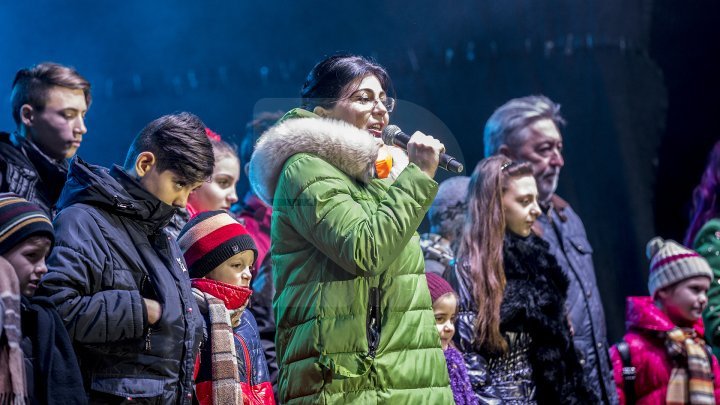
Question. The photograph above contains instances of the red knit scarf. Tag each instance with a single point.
(221, 298)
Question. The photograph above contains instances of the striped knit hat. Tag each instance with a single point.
(210, 238)
(21, 219)
(671, 263)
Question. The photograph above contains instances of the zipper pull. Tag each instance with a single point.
(148, 346)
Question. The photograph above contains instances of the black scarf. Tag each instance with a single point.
(57, 378)
(534, 302)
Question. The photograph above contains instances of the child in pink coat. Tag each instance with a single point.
(665, 333)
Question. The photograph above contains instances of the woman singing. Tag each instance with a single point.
(354, 319)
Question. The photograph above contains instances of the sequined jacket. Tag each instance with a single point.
(541, 365)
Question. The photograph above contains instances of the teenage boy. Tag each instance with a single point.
(119, 281)
(49, 102)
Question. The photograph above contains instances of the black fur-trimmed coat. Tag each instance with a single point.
(534, 303)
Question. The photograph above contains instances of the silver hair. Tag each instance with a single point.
(508, 120)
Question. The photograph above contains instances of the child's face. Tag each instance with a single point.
(235, 270)
(445, 309)
(28, 260)
(685, 301)
(219, 193)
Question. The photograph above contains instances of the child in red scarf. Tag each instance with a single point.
(219, 253)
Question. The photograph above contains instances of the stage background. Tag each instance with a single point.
(637, 81)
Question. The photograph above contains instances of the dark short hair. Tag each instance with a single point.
(179, 143)
(31, 85)
(328, 80)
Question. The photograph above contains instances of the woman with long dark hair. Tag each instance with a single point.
(353, 311)
(703, 235)
(512, 322)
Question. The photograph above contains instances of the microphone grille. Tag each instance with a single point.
(388, 134)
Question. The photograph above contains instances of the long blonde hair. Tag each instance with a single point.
(481, 246)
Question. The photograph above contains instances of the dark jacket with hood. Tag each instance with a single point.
(29, 173)
(111, 252)
(541, 365)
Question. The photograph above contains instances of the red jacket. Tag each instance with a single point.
(646, 325)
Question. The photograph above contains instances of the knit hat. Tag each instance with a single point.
(210, 238)
(671, 263)
(21, 219)
(437, 286)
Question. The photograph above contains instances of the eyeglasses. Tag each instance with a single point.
(364, 100)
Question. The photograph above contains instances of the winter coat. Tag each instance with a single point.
(110, 253)
(562, 228)
(252, 366)
(255, 216)
(646, 327)
(352, 306)
(533, 317)
(29, 173)
(707, 244)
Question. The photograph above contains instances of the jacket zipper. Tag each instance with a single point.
(148, 346)
(248, 366)
(373, 321)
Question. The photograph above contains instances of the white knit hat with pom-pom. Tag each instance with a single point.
(671, 263)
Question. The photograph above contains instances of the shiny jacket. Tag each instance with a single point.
(562, 228)
(111, 252)
(29, 173)
(541, 365)
(647, 325)
(352, 306)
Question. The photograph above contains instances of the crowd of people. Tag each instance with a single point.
(153, 282)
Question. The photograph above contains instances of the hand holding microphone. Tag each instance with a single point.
(423, 150)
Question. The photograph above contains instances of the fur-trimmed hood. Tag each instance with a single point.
(344, 146)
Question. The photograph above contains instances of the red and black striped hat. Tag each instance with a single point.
(210, 238)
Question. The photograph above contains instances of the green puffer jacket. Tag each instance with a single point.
(707, 244)
(353, 311)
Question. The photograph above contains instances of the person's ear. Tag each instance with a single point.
(321, 111)
(506, 151)
(247, 169)
(144, 162)
(27, 115)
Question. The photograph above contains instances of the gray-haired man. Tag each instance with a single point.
(527, 129)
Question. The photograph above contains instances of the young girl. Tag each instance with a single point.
(444, 304)
(219, 254)
(664, 342)
(219, 193)
(512, 323)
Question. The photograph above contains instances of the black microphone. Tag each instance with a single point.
(393, 135)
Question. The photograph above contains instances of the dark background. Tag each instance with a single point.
(637, 80)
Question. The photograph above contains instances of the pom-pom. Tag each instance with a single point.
(654, 246)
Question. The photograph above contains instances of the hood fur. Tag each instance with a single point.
(344, 146)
